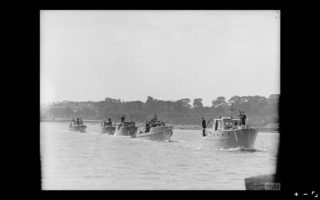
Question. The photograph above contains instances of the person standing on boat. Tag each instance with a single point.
(78, 120)
(235, 125)
(204, 126)
(123, 118)
(147, 126)
(110, 122)
(243, 118)
(122, 121)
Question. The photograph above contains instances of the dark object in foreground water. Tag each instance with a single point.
(258, 182)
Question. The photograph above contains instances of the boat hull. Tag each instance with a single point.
(108, 129)
(155, 133)
(125, 131)
(233, 138)
(81, 128)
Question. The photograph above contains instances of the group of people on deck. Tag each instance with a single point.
(153, 123)
(125, 123)
(242, 117)
(77, 122)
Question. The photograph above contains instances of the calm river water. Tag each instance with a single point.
(94, 161)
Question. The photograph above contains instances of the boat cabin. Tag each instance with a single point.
(75, 123)
(129, 124)
(157, 123)
(226, 123)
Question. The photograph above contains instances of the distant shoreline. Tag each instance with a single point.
(69, 120)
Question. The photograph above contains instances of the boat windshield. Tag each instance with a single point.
(129, 123)
(230, 124)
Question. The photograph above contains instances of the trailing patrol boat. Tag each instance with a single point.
(77, 127)
(228, 132)
(106, 127)
(126, 128)
(154, 130)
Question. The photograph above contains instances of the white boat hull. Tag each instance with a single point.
(108, 129)
(125, 131)
(233, 138)
(81, 128)
(155, 133)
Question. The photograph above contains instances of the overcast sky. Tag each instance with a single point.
(169, 55)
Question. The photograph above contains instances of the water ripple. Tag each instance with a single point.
(91, 160)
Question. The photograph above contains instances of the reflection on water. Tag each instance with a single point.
(94, 161)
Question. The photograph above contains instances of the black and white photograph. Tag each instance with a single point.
(159, 99)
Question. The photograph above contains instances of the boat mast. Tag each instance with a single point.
(231, 110)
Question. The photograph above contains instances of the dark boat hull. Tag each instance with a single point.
(81, 128)
(108, 129)
(234, 138)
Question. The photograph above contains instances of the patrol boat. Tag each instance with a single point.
(155, 130)
(108, 128)
(75, 127)
(126, 128)
(228, 132)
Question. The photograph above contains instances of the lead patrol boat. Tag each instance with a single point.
(228, 132)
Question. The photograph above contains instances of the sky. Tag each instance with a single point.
(168, 55)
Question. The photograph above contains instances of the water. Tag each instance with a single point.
(94, 161)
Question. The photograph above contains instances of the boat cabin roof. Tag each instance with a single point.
(126, 122)
(227, 119)
(225, 123)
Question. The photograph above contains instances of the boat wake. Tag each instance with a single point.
(64, 131)
(242, 149)
(69, 131)
(238, 149)
(253, 150)
(119, 137)
(93, 132)
(179, 141)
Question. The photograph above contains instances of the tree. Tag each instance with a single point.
(261, 103)
(185, 103)
(197, 103)
(235, 100)
(178, 106)
(273, 101)
(219, 101)
(150, 105)
(68, 112)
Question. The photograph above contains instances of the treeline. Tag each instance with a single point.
(257, 109)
